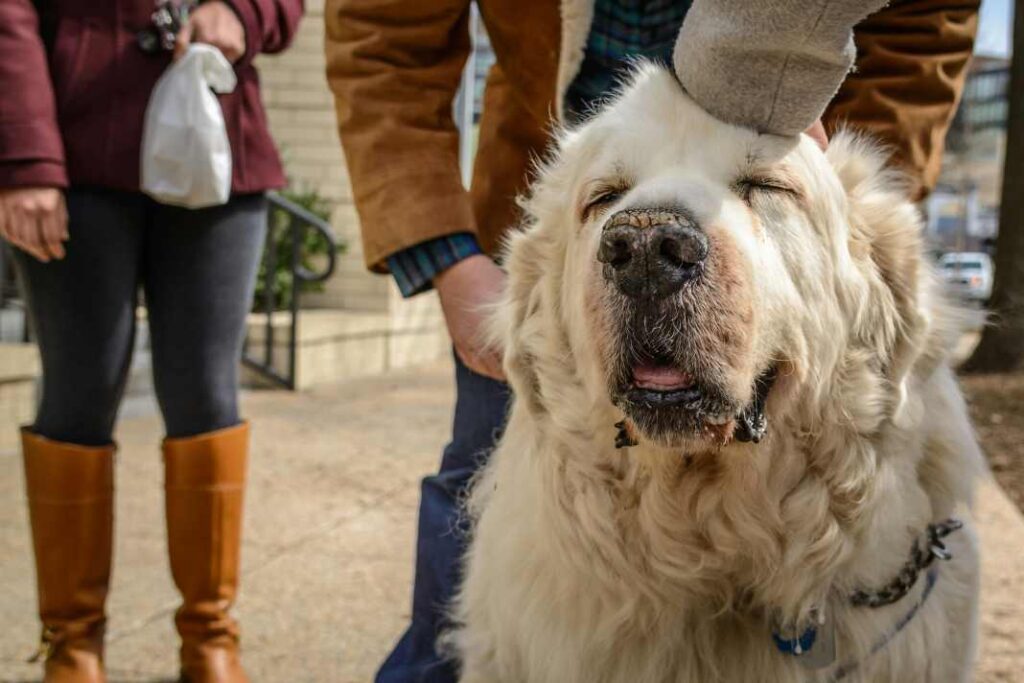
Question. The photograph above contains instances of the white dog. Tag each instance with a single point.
(735, 432)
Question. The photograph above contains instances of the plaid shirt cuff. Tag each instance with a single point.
(415, 268)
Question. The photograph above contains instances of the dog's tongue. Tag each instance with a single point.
(660, 377)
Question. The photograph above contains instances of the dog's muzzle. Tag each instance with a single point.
(651, 252)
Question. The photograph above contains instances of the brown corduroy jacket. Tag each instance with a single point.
(395, 69)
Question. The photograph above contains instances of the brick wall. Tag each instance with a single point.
(300, 108)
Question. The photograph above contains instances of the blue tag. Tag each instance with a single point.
(815, 648)
(796, 646)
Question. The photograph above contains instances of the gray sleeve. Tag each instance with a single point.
(770, 65)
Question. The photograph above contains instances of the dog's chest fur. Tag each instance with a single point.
(653, 568)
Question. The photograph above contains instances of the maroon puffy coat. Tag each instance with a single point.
(74, 87)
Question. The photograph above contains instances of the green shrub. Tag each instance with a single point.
(280, 239)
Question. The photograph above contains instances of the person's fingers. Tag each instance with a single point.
(495, 367)
(10, 225)
(43, 240)
(17, 230)
(469, 360)
(51, 232)
(5, 229)
(223, 36)
(35, 221)
(233, 51)
(495, 371)
(222, 45)
(32, 233)
(48, 227)
(29, 232)
(482, 364)
(29, 242)
(62, 218)
(486, 369)
(817, 133)
(37, 252)
(183, 39)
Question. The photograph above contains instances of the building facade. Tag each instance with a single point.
(963, 212)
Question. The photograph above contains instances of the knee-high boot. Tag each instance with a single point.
(71, 511)
(204, 482)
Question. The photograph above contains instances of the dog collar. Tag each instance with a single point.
(815, 646)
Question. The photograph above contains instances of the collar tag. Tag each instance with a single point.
(813, 649)
(823, 654)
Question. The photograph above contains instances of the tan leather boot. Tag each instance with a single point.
(204, 480)
(71, 511)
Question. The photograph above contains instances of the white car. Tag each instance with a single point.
(968, 274)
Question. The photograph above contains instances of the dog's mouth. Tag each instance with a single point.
(675, 378)
(669, 403)
(663, 384)
(666, 400)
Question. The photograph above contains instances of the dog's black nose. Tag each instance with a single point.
(652, 257)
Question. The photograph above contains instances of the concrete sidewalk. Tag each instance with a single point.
(329, 540)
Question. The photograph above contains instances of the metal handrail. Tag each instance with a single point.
(322, 227)
(300, 220)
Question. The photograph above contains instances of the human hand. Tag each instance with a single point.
(817, 133)
(214, 23)
(465, 289)
(35, 220)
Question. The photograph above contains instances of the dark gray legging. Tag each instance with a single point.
(197, 268)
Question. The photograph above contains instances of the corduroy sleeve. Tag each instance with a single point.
(395, 69)
(912, 62)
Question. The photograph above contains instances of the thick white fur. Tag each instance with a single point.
(590, 564)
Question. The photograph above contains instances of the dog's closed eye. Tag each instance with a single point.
(750, 186)
(601, 196)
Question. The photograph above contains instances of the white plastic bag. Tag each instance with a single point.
(186, 158)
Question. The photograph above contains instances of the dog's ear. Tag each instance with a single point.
(527, 322)
(517, 322)
(896, 252)
(885, 240)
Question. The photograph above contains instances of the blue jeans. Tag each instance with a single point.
(480, 409)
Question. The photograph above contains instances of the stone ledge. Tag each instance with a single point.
(18, 362)
(19, 372)
(334, 345)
